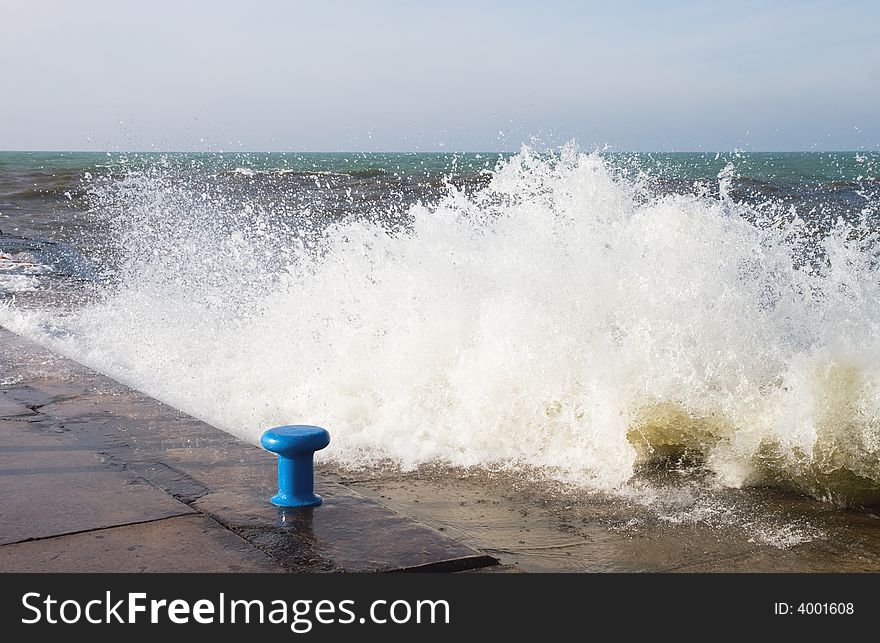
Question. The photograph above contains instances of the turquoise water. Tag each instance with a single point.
(795, 167)
(40, 189)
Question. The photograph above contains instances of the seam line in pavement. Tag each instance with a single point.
(102, 528)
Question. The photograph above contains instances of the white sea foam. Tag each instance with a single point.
(561, 318)
(18, 273)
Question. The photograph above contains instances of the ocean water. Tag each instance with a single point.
(565, 315)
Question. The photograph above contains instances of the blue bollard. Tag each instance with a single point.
(295, 446)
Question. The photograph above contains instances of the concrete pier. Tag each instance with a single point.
(98, 477)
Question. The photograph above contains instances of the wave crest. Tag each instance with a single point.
(563, 317)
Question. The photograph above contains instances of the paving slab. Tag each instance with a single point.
(344, 533)
(12, 408)
(50, 503)
(160, 546)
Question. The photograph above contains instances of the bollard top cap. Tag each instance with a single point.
(295, 439)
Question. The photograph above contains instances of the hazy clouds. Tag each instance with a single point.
(277, 75)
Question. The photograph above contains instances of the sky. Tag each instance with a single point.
(427, 76)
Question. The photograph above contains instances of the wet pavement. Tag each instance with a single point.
(670, 521)
(98, 477)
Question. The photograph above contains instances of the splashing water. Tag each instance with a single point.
(563, 318)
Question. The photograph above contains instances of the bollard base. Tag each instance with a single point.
(284, 500)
